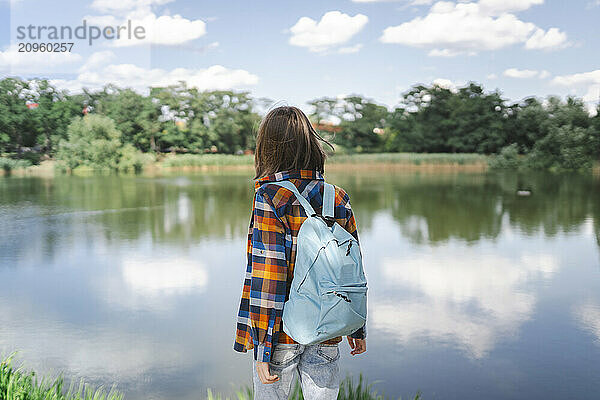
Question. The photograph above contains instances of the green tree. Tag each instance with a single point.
(362, 122)
(572, 112)
(479, 119)
(135, 115)
(430, 110)
(595, 133)
(55, 112)
(443, 120)
(224, 120)
(92, 141)
(565, 148)
(230, 119)
(17, 128)
(527, 122)
(402, 134)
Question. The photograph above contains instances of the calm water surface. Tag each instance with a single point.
(475, 292)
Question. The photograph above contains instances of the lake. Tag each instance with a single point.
(474, 291)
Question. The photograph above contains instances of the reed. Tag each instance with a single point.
(18, 384)
(197, 160)
(410, 158)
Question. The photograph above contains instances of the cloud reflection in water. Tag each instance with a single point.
(467, 298)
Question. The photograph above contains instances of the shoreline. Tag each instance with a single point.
(385, 162)
(224, 162)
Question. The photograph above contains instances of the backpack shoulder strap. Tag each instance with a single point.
(328, 200)
(290, 186)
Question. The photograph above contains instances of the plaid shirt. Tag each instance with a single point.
(271, 251)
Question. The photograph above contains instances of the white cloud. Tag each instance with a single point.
(544, 74)
(98, 60)
(523, 74)
(585, 84)
(584, 78)
(492, 76)
(496, 7)
(413, 2)
(160, 30)
(490, 6)
(443, 53)
(102, 20)
(123, 6)
(456, 28)
(215, 77)
(333, 29)
(552, 39)
(351, 49)
(164, 30)
(11, 60)
(212, 45)
(520, 73)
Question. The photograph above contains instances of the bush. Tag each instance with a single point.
(31, 156)
(8, 164)
(94, 144)
(565, 148)
(61, 167)
(132, 159)
(93, 141)
(507, 159)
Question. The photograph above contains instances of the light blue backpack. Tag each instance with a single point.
(328, 295)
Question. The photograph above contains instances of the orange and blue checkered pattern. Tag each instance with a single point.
(271, 251)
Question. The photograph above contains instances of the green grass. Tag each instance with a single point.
(175, 162)
(409, 158)
(195, 160)
(198, 160)
(9, 164)
(18, 384)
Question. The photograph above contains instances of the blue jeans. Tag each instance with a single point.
(316, 366)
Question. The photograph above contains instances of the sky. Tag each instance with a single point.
(295, 51)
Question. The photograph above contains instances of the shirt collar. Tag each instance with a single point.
(292, 174)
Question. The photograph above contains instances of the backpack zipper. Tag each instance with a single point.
(343, 296)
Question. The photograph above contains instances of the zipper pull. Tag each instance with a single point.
(348, 251)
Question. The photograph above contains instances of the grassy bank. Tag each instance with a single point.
(432, 162)
(19, 384)
(410, 161)
(207, 162)
(360, 160)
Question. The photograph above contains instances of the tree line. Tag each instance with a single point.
(39, 120)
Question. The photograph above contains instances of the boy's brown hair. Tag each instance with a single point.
(286, 141)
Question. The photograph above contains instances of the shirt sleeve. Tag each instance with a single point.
(268, 277)
(361, 333)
